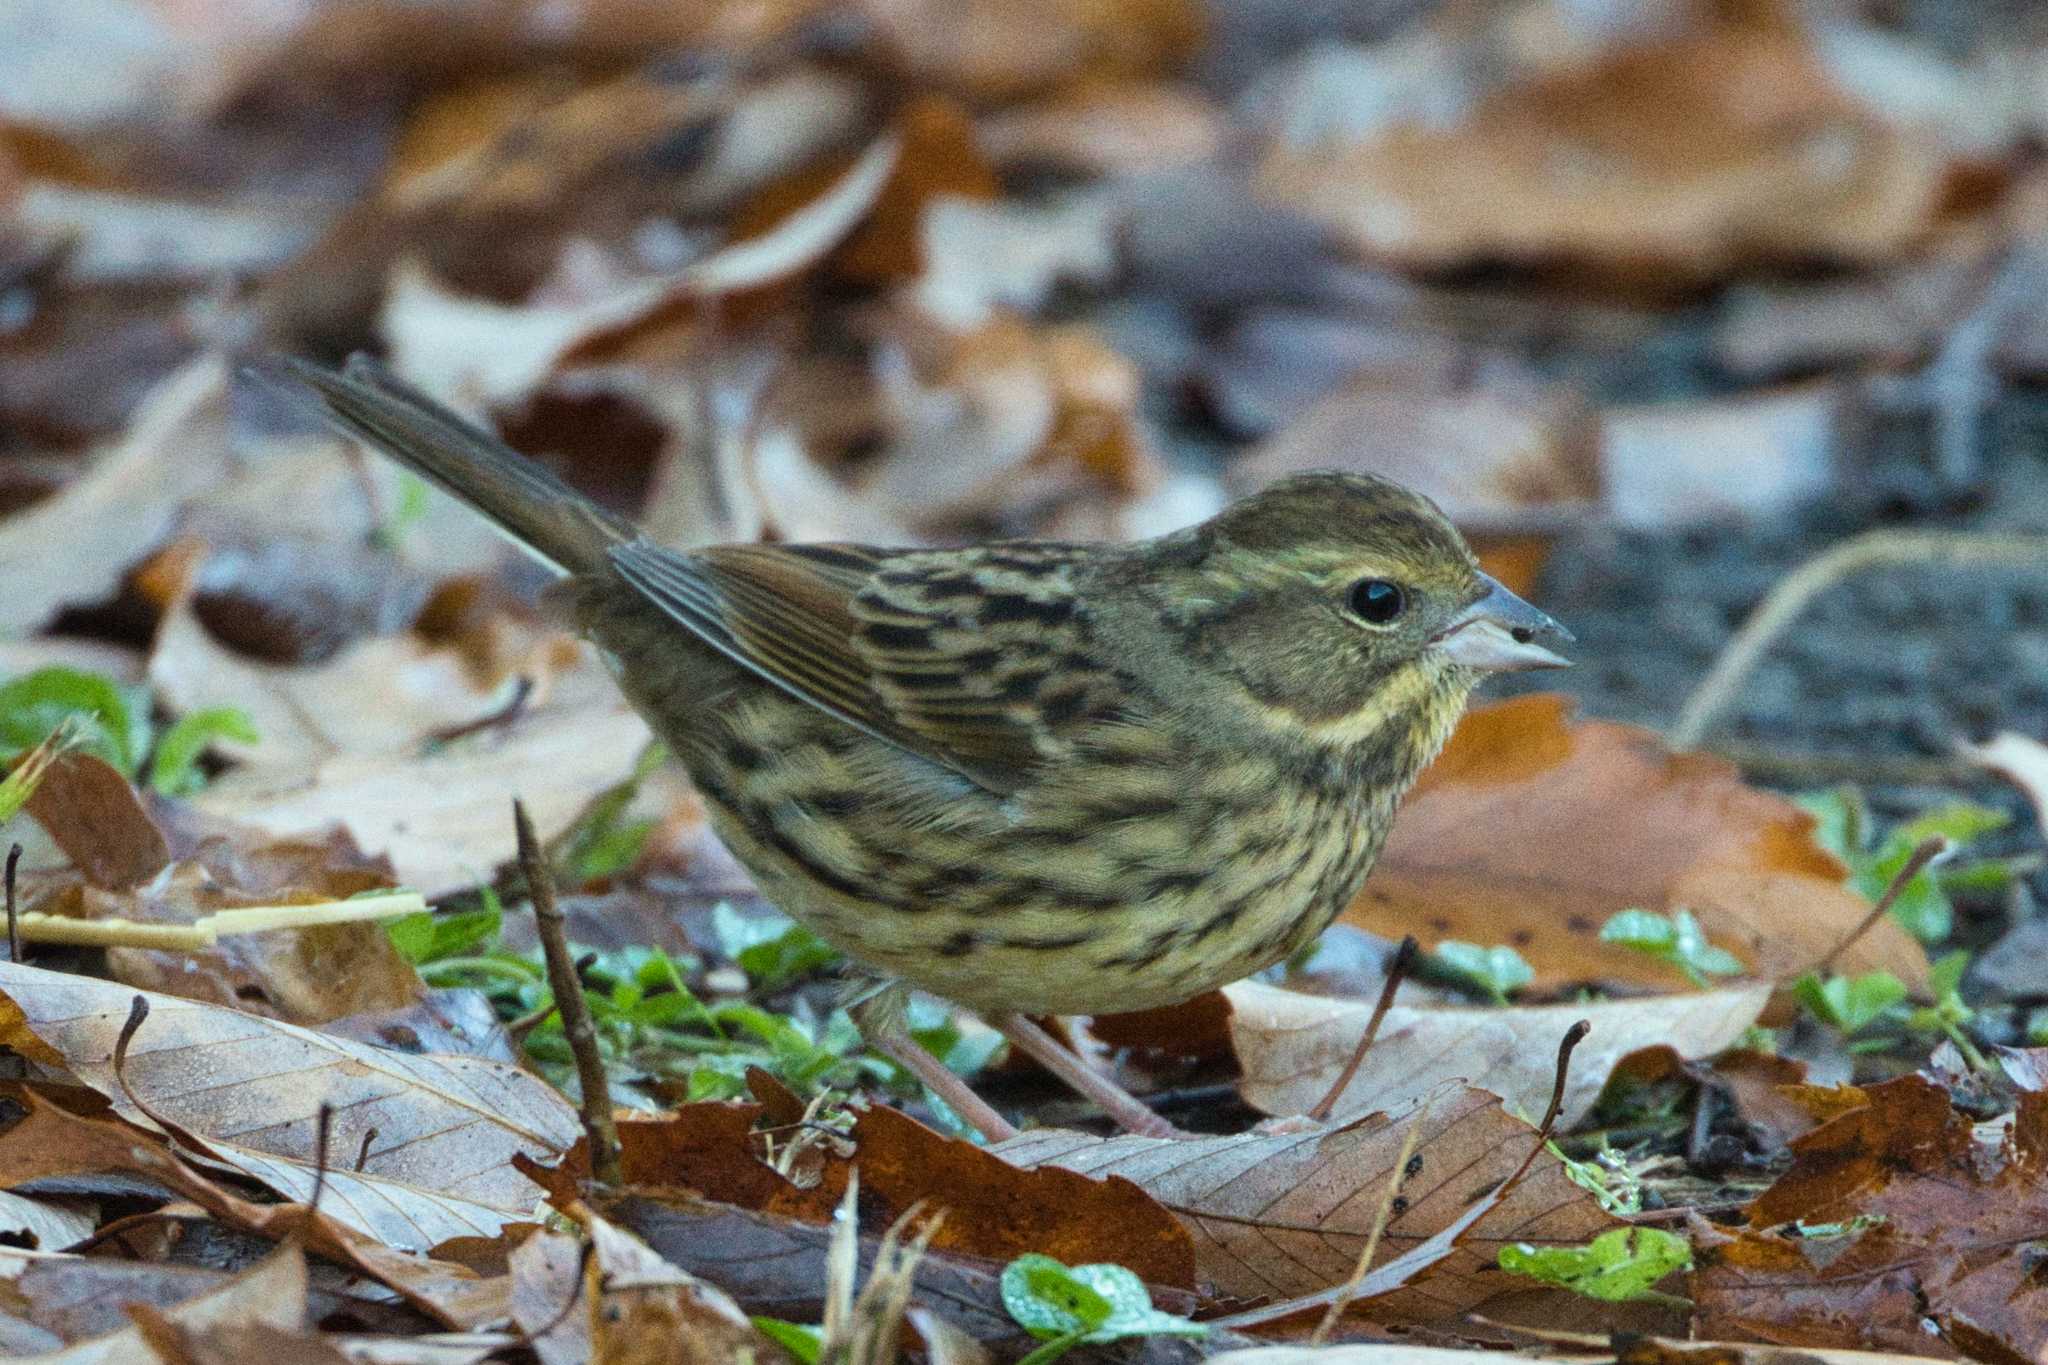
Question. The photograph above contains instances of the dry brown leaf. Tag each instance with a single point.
(378, 696)
(75, 545)
(995, 50)
(1287, 1215)
(1699, 137)
(476, 353)
(1531, 830)
(48, 1223)
(1293, 1047)
(1106, 128)
(1674, 464)
(449, 1125)
(272, 1293)
(1954, 1223)
(441, 817)
(993, 1210)
(1489, 458)
(97, 819)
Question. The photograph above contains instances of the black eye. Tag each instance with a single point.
(1377, 601)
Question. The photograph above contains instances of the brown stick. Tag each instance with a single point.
(1398, 967)
(1925, 852)
(596, 1109)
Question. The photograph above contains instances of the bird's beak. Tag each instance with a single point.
(1497, 634)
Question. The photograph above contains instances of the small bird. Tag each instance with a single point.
(1031, 778)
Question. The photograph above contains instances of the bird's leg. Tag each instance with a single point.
(880, 1020)
(1128, 1112)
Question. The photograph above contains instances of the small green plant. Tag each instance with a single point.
(1948, 1014)
(1093, 1305)
(112, 723)
(1495, 971)
(1607, 1177)
(803, 1343)
(773, 950)
(1618, 1266)
(1844, 828)
(174, 767)
(1850, 1003)
(1675, 938)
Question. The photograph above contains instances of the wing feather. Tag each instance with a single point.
(892, 642)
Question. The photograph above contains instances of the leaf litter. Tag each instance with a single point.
(920, 273)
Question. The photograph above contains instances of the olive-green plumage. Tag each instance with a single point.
(1030, 777)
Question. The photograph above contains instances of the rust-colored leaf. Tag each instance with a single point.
(1532, 829)
(96, 818)
(994, 1208)
(1956, 1220)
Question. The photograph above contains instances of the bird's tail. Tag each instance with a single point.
(535, 508)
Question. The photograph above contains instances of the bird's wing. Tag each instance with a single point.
(967, 658)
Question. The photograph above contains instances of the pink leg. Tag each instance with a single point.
(958, 1095)
(1129, 1113)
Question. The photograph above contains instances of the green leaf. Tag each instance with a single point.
(1960, 822)
(803, 1343)
(1842, 821)
(1093, 1304)
(1619, 1265)
(1850, 1004)
(771, 949)
(1676, 939)
(33, 705)
(174, 767)
(1945, 977)
(431, 938)
(1495, 971)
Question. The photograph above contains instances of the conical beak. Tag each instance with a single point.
(1498, 633)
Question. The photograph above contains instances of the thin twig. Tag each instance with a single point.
(363, 1151)
(1381, 1217)
(567, 987)
(1822, 769)
(1783, 604)
(323, 1137)
(13, 916)
(1924, 853)
(1398, 967)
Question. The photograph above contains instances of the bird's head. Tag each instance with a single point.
(1338, 602)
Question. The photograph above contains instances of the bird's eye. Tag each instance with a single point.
(1377, 601)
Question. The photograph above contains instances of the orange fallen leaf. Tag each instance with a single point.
(1531, 829)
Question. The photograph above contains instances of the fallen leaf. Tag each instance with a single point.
(441, 818)
(123, 506)
(996, 50)
(477, 353)
(994, 1209)
(2021, 761)
(444, 1124)
(51, 1223)
(272, 1292)
(1106, 128)
(1285, 1215)
(1490, 459)
(1952, 1223)
(92, 813)
(1531, 830)
(1292, 1047)
(1582, 143)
